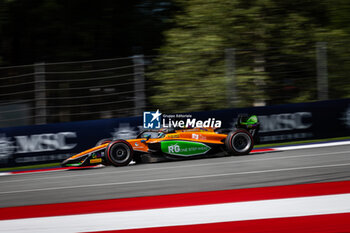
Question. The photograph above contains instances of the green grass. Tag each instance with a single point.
(47, 165)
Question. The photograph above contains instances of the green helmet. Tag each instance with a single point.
(249, 121)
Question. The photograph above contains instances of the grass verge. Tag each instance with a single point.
(46, 165)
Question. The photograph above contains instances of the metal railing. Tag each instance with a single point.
(69, 91)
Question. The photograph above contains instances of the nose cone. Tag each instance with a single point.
(64, 163)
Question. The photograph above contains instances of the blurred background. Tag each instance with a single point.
(83, 60)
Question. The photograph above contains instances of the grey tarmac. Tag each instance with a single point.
(325, 164)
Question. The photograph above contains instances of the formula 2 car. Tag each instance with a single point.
(171, 144)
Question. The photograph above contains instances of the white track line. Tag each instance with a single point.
(175, 178)
(5, 173)
(310, 146)
(189, 215)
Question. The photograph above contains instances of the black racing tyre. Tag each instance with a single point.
(119, 153)
(103, 141)
(239, 142)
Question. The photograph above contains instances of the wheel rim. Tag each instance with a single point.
(241, 142)
(120, 153)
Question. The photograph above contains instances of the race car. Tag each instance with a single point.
(171, 144)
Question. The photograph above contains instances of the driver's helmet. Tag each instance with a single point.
(248, 121)
(162, 132)
(252, 120)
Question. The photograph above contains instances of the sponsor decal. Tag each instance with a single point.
(36, 143)
(6, 147)
(155, 120)
(44, 142)
(290, 136)
(195, 136)
(346, 117)
(97, 154)
(43, 158)
(97, 160)
(285, 121)
(199, 136)
(184, 148)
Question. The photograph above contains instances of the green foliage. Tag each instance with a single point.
(337, 35)
(278, 64)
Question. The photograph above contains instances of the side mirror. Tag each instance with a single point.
(147, 137)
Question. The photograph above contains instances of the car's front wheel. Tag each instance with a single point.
(119, 153)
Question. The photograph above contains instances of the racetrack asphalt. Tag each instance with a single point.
(232, 172)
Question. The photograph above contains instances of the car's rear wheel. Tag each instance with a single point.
(119, 153)
(239, 142)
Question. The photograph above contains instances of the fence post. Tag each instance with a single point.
(139, 84)
(40, 93)
(231, 90)
(322, 72)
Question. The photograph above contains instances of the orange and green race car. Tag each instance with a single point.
(170, 144)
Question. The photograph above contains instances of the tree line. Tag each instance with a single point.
(275, 58)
